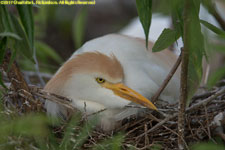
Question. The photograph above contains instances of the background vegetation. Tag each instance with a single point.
(41, 38)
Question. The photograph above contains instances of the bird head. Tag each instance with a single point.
(95, 77)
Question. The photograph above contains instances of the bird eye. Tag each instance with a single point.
(100, 80)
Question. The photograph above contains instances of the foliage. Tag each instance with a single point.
(195, 38)
(167, 38)
(18, 33)
(31, 131)
(144, 8)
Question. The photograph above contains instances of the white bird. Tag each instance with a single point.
(109, 73)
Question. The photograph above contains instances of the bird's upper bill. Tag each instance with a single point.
(129, 94)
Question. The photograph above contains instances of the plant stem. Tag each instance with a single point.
(168, 78)
(184, 76)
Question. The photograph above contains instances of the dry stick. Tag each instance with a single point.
(217, 17)
(207, 122)
(183, 98)
(52, 97)
(166, 81)
(193, 107)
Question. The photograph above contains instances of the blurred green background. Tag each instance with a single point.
(60, 30)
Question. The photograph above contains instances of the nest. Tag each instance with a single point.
(204, 117)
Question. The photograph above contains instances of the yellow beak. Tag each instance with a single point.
(129, 94)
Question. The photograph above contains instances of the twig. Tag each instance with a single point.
(168, 78)
(212, 9)
(203, 95)
(206, 101)
(146, 135)
(52, 97)
(207, 122)
(158, 125)
(193, 107)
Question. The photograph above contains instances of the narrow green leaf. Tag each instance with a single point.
(5, 19)
(26, 16)
(85, 131)
(10, 34)
(166, 39)
(213, 28)
(197, 6)
(66, 142)
(177, 15)
(79, 25)
(144, 8)
(23, 45)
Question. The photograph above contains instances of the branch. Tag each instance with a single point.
(166, 81)
(63, 101)
(193, 107)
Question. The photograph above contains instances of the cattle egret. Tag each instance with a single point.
(109, 73)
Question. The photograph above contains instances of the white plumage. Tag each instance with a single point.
(143, 71)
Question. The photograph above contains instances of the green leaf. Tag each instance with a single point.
(84, 133)
(166, 39)
(177, 15)
(144, 8)
(26, 16)
(197, 5)
(5, 19)
(10, 34)
(44, 52)
(23, 45)
(194, 41)
(213, 28)
(66, 142)
(216, 76)
(79, 25)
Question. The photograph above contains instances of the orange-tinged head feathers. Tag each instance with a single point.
(88, 62)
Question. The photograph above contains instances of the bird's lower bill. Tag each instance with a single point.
(129, 94)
